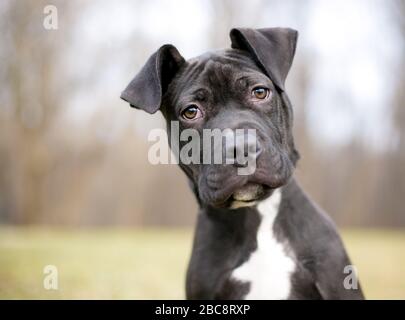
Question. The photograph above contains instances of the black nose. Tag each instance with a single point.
(244, 149)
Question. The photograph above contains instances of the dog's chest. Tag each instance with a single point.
(268, 269)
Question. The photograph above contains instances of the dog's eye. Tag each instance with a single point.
(191, 112)
(260, 93)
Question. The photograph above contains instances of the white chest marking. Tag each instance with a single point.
(269, 268)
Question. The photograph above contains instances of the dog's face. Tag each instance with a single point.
(238, 88)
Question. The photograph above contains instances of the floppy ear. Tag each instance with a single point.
(146, 90)
(273, 49)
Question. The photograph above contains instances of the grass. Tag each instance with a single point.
(151, 263)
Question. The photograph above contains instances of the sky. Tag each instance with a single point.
(351, 45)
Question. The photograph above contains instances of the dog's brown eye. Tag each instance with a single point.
(260, 93)
(191, 112)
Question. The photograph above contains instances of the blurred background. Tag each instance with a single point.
(76, 188)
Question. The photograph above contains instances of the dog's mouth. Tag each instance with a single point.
(248, 195)
(223, 189)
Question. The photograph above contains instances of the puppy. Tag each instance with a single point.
(258, 235)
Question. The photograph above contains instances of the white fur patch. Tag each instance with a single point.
(269, 268)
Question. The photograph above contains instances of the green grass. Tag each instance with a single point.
(151, 263)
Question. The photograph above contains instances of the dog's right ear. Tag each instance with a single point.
(146, 90)
(273, 49)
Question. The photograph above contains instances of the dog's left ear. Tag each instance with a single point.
(272, 49)
(146, 90)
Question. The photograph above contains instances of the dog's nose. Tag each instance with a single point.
(244, 149)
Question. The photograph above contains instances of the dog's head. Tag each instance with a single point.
(237, 88)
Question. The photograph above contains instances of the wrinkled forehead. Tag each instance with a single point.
(221, 60)
(216, 70)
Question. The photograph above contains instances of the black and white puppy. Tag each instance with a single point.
(258, 236)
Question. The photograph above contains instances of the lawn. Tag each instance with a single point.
(151, 263)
